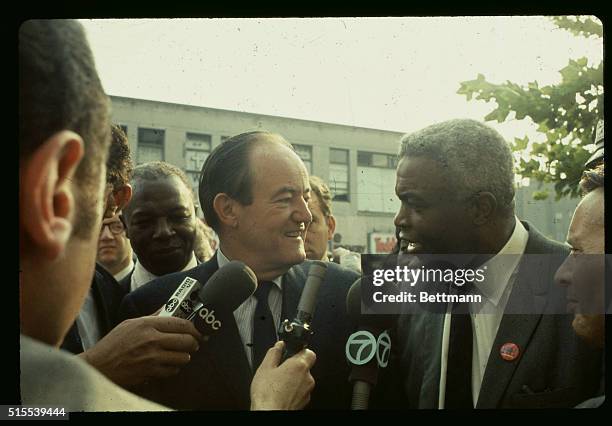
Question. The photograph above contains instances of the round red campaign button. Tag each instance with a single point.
(509, 351)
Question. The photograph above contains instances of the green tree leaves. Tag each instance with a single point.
(566, 113)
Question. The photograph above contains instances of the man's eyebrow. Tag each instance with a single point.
(408, 196)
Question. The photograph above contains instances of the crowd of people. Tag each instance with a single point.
(92, 338)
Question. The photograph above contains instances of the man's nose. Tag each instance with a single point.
(106, 233)
(563, 276)
(402, 218)
(162, 228)
(302, 212)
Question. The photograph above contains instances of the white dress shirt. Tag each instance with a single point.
(141, 276)
(500, 276)
(244, 313)
(125, 271)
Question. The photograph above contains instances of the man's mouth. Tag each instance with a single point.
(165, 250)
(410, 246)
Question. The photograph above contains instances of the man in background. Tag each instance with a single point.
(584, 270)
(321, 230)
(114, 249)
(161, 222)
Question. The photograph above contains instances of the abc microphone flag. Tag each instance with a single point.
(209, 303)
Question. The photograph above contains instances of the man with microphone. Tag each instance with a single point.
(254, 193)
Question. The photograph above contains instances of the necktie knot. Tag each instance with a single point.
(262, 291)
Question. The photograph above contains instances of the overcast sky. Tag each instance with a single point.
(387, 73)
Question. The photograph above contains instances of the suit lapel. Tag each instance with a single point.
(529, 295)
(230, 361)
(225, 349)
(102, 303)
(432, 344)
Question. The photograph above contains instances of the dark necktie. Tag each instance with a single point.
(459, 361)
(264, 332)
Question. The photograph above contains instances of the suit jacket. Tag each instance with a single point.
(55, 378)
(218, 377)
(554, 369)
(107, 295)
(126, 283)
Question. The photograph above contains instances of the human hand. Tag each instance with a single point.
(286, 386)
(143, 348)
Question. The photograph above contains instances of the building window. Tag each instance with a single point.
(150, 145)
(339, 174)
(376, 182)
(305, 153)
(197, 150)
(373, 159)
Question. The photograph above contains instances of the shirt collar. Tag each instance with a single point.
(142, 276)
(500, 268)
(222, 260)
(125, 271)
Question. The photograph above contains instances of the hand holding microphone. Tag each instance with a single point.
(158, 346)
(296, 333)
(285, 386)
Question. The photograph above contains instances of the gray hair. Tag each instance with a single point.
(476, 157)
(155, 170)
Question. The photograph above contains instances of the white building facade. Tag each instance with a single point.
(357, 163)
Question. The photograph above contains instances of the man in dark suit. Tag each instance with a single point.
(455, 181)
(254, 192)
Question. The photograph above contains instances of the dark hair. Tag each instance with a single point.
(59, 89)
(322, 192)
(119, 164)
(592, 179)
(227, 170)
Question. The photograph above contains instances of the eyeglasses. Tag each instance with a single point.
(116, 227)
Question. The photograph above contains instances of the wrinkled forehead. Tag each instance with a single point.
(159, 188)
(277, 164)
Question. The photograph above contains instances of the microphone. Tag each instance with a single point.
(367, 349)
(296, 333)
(207, 304)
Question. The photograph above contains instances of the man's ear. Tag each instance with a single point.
(122, 196)
(485, 206)
(331, 226)
(46, 194)
(227, 210)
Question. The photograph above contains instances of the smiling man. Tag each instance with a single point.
(161, 222)
(254, 193)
